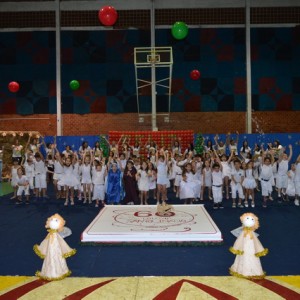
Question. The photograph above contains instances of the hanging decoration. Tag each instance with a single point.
(179, 30)
(13, 86)
(195, 74)
(108, 15)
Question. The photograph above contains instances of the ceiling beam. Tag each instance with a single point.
(84, 5)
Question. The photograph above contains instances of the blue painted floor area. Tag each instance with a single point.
(22, 226)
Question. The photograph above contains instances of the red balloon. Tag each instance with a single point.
(195, 74)
(108, 15)
(13, 86)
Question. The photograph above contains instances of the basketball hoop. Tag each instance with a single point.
(146, 58)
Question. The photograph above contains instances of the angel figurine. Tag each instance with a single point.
(248, 250)
(54, 250)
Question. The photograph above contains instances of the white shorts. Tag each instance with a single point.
(282, 181)
(22, 189)
(31, 182)
(266, 187)
(217, 194)
(99, 192)
(237, 188)
(40, 181)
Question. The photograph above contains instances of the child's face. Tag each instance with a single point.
(206, 163)
(150, 166)
(188, 168)
(98, 168)
(217, 169)
(223, 158)
(68, 162)
(267, 161)
(144, 165)
(87, 160)
(19, 172)
(15, 162)
(237, 165)
(114, 168)
(129, 165)
(293, 167)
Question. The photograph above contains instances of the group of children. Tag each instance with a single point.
(131, 174)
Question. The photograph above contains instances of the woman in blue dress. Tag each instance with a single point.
(113, 191)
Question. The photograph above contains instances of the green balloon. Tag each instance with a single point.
(180, 30)
(74, 85)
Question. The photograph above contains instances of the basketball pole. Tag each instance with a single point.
(58, 70)
(153, 69)
(248, 69)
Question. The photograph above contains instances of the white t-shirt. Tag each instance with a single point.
(237, 174)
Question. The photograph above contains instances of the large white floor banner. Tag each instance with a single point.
(137, 223)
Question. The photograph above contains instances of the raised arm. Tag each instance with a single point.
(59, 157)
(291, 152)
(119, 141)
(28, 141)
(44, 144)
(230, 157)
(237, 138)
(228, 138)
(216, 140)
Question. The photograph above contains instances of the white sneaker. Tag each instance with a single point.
(296, 202)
